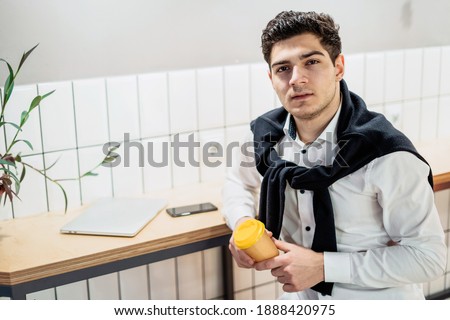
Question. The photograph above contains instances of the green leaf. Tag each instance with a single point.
(7, 163)
(35, 103)
(51, 166)
(64, 193)
(17, 184)
(12, 124)
(25, 56)
(89, 174)
(9, 83)
(11, 174)
(24, 117)
(109, 159)
(47, 94)
(22, 175)
(22, 140)
(38, 99)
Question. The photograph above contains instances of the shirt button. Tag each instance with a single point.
(304, 151)
(302, 191)
(308, 228)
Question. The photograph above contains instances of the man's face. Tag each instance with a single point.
(304, 77)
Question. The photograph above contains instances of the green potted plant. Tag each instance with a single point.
(13, 167)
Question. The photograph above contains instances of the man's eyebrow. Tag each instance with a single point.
(302, 57)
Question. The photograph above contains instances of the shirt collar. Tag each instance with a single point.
(328, 134)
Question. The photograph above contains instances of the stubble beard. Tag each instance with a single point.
(316, 112)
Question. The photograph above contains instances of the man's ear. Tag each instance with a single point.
(269, 74)
(339, 65)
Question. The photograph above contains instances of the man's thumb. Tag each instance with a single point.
(283, 246)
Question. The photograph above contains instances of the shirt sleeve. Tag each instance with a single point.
(241, 188)
(410, 218)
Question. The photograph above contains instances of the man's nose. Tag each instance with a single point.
(298, 76)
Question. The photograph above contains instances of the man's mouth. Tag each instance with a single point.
(301, 96)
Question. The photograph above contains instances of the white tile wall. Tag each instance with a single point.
(412, 88)
(266, 292)
(57, 117)
(73, 291)
(99, 186)
(134, 284)
(393, 75)
(163, 280)
(429, 118)
(157, 175)
(374, 78)
(262, 277)
(235, 137)
(183, 101)
(154, 104)
(48, 294)
(91, 111)
(237, 95)
(213, 270)
(393, 112)
(123, 108)
(65, 167)
(243, 278)
(127, 176)
(443, 128)
(104, 287)
(190, 276)
(210, 94)
(261, 91)
(431, 71)
(186, 160)
(445, 71)
(354, 72)
(412, 76)
(411, 119)
(213, 152)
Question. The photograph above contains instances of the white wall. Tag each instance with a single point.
(95, 38)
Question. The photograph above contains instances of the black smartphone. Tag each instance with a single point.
(191, 209)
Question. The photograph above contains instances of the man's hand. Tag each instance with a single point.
(242, 259)
(298, 269)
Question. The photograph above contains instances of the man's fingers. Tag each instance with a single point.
(283, 246)
(241, 258)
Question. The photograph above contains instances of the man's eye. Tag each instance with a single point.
(282, 69)
(312, 61)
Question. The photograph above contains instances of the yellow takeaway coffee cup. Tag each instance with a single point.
(251, 237)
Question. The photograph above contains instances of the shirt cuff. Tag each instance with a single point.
(337, 267)
(238, 212)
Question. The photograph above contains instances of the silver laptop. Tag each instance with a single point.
(123, 217)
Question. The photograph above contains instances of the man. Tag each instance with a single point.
(348, 195)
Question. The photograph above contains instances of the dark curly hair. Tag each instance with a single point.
(291, 23)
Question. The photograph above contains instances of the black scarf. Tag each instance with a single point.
(362, 136)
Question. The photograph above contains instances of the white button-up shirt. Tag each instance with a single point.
(387, 199)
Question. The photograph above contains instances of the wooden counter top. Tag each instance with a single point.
(33, 248)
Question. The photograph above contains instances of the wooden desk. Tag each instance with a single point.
(35, 256)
